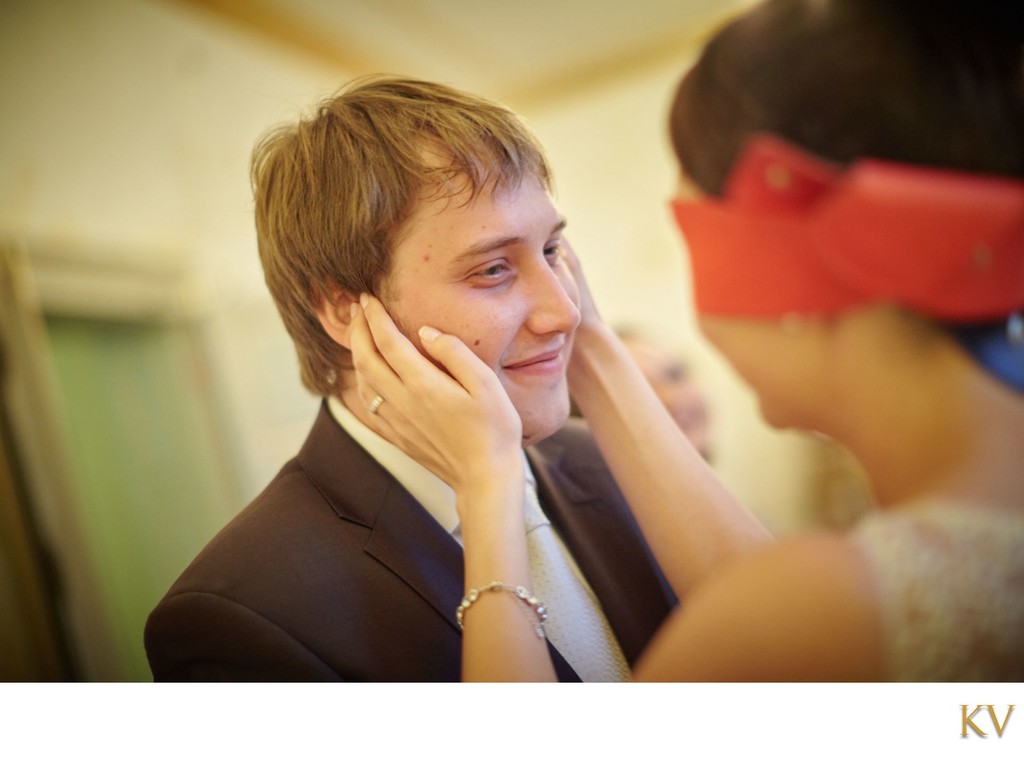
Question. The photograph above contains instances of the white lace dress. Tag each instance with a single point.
(952, 584)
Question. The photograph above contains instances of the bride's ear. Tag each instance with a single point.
(335, 314)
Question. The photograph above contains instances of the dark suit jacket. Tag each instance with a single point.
(336, 573)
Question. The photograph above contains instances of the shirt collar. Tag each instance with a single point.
(430, 491)
(436, 496)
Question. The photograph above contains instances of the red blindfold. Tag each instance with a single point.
(793, 233)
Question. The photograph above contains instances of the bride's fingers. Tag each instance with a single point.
(587, 305)
(374, 376)
(377, 385)
(461, 363)
(464, 367)
(364, 349)
(416, 378)
(442, 423)
(404, 359)
(483, 387)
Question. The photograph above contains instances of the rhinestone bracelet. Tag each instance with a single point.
(528, 600)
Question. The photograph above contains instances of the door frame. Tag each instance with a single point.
(39, 279)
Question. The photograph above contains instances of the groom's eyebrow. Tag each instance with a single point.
(496, 243)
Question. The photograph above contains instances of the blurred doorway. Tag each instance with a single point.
(120, 442)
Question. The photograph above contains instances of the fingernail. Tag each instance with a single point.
(364, 300)
(428, 333)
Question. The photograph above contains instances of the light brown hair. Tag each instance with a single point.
(333, 192)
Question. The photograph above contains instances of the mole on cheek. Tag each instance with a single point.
(476, 342)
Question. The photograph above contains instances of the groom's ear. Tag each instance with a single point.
(335, 314)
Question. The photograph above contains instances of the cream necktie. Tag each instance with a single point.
(575, 625)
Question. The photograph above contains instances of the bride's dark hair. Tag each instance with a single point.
(933, 82)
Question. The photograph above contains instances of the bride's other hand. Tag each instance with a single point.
(457, 421)
(589, 315)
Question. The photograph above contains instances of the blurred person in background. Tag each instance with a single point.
(674, 384)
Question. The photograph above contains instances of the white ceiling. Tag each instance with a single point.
(508, 49)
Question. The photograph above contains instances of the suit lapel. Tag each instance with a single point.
(409, 541)
(405, 540)
(404, 537)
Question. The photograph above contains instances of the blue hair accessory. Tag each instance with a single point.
(998, 347)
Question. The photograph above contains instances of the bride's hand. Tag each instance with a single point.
(592, 336)
(457, 422)
(463, 427)
(589, 315)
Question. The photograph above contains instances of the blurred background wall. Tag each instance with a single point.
(149, 390)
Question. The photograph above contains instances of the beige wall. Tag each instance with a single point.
(126, 137)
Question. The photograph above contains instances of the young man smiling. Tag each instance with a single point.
(349, 565)
(488, 269)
